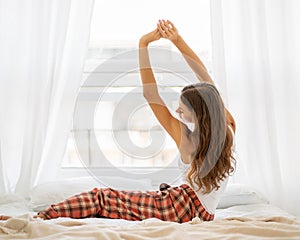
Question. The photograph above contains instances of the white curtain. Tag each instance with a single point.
(43, 45)
(256, 55)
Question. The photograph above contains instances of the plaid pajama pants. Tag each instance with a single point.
(177, 204)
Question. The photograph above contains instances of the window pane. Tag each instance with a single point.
(119, 22)
(117, 26)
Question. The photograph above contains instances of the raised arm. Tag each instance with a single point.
(150, 90)
(169, 31)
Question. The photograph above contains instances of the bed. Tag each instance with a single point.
(242, 214)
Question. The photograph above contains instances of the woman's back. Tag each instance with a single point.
(209, 200)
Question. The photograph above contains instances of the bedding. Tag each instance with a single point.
(251, 221)
(254, 221)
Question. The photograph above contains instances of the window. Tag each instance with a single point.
(124, 128)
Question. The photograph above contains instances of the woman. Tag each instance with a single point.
(206, 152)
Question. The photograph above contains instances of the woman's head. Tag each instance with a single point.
(202, 105)
(195, 100)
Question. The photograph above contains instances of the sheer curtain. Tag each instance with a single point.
(43, 46)
(256, 57)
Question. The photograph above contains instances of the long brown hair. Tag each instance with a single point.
(213, 158)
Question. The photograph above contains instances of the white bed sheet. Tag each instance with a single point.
(242, 221)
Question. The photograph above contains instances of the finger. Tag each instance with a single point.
(172, 25)
(165, 31)
(159, 27)
(168, 28)
(162, 25)
(168, 31)
(165, 24)
(168, 24)
(161, 31)
(171, 30)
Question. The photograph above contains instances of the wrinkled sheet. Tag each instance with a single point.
(24, 227)
(257, 221)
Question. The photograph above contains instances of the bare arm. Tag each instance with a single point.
(169, 31)
(150, 90)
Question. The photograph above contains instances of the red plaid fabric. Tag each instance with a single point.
(178, 204)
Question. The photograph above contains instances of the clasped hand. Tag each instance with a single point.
(165, 29)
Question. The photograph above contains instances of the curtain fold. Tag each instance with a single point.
(2, 176)
(43, 46)
(260, 56)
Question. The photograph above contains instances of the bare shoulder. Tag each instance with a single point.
(230, 120)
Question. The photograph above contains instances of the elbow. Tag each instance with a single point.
(150, 92)
(149, 96)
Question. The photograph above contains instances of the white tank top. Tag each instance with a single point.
(209, 200)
